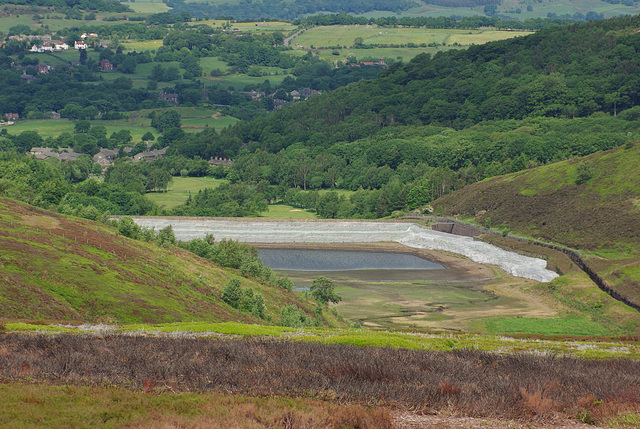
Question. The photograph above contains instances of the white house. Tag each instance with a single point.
(80, 45)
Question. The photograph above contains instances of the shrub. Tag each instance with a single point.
(323, 291)
(585, 172)
(294, 317)
(283, 283)
(232, 293)
(128, 228)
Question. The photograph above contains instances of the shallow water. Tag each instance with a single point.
(340, 260)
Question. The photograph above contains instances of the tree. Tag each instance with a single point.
(323, 291)
(148, 136)
(232, 293)
(128, 65)
(26, 140)
(82, 127)
(71, 111)
(168, 119)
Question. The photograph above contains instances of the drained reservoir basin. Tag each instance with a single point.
(391, 275)
(407, 234)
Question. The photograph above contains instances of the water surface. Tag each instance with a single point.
(341, 260)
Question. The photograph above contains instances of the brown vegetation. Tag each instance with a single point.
(467, 383)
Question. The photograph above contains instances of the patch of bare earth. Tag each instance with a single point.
(414, 421)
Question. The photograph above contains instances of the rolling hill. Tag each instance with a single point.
(589, 203)
(56, 267)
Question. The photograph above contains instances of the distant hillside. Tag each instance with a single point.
(55, 267)
(590, 203)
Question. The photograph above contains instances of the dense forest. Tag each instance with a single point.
(396, 142)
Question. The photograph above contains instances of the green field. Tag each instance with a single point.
(283, 211)
(210, 63)
(238, 82)
(142, 45)
(372, 34)
(180, 189)
(53, 128)
(256, 27)
(148, 6)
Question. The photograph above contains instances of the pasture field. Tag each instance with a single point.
(180, 189)
(372, 34)
(141, 45)
(44, 127)
(210, 63)
(148, 6)
(283, 211)
(400, 54)
(57, 22)
(138, 126)
(561, 7)
(239, 81)
(253, 27)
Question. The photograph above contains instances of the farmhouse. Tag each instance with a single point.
(105, 65)
(80, 45)
(169, 97)
(380, 63)
(12, 116)
(43, 68)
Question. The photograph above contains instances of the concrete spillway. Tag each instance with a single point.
(408, 234)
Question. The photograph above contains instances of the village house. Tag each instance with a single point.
(279, 104)
(63, 154)
(151, 155)
(105, 65)
(380, 63)
(80, 45)
(255, 95)
(28, 78)
(43, 68)
(303, 94)
(169, 97)
(60, 46)
(106, 157)
(12, 116)
(215, 162)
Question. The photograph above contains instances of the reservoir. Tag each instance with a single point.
(340, 260)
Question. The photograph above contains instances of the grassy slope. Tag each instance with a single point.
(600, 217)
(54, 267)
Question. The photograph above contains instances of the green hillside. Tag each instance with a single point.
(55, 267)
(590, 203)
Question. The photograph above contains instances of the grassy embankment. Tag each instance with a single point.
(590, 204)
